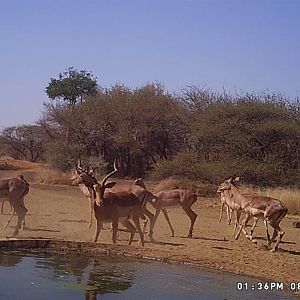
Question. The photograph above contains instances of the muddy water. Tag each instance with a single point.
(32, 276)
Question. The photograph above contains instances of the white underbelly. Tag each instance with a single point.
(256, 212)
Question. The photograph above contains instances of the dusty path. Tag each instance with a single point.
(62, 212)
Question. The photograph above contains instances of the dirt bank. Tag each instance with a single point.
(62, 213)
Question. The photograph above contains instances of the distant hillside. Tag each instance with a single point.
(8, 163)
(33, 172)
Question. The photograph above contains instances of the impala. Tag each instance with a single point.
(271, 210)
(144, 196)
(169, 198)
(88, 191)
(228, 209)
(14, 190)
(113, 206)
(237, 208)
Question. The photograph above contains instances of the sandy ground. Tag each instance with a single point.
(62, 213)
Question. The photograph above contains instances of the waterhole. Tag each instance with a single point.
(44, 276)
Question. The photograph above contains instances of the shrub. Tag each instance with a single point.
(62, 156)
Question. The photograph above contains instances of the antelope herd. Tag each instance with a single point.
(127, 205)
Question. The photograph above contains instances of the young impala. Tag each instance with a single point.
(169, 198)
(14, 189)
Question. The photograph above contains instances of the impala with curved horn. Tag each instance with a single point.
(271, 210)
(87, 190)
(113, 206)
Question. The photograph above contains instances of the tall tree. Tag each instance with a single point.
(72, 86)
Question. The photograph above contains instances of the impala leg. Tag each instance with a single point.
(281, 234)
(153, 223)
(274, 220)
(193, 216)
(229, 214)
(237, 220)
(115, 231)
(98, 230)
(245, 231)
(237, 223)
(150, 216)
(2, 208)
(91, 211)
(165, 212)
(221, 212)
(275, 233)
(23, 206)
(21, 210)
(23, 224)
(249, 236)
(254, 225)
(10, 218)
(267, 232)
(244, 223)
(136, 222)
(130, 228)
(145, 221)
(21, 216)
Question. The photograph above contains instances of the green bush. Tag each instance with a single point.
(62, 156)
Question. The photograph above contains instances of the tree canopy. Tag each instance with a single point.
(197, 134)
(72, 86)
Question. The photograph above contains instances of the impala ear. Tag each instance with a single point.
(234, 178)
(110, 185)
(237, 178)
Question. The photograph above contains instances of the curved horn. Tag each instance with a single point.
(78, 166)
(110, 174)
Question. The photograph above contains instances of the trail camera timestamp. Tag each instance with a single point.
(267, 286)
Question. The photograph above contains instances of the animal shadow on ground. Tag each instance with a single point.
(164, 243)
(8, 214)
(222, 248)
(156, 242)
(293, 252)
(207, 239)
(265, 239)
(39, 229)
(73, 221)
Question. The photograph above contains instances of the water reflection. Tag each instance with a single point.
(78, 277)
(95, 276)
(9, 260)
(105, 277)
(61, 266)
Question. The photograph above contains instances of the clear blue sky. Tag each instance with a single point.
(248, 45)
